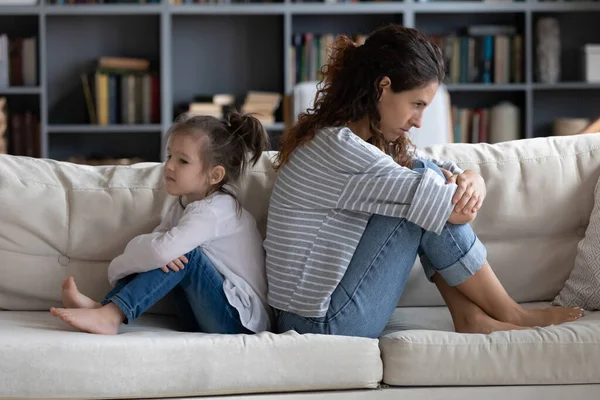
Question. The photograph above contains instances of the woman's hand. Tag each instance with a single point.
(176, 264)
(470, 193)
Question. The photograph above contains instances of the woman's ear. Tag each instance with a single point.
(217, 174)
(385, 82)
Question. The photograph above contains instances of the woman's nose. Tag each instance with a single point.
(417, 120)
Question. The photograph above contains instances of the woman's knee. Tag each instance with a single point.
(421, 165)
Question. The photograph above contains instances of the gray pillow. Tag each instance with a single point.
(582, 289)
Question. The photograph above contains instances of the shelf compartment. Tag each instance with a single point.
(568, 103)
(457, 35)
(490, 99)
(26, 28)
(114, 144)
(244, 54)
(118, 36)
(576, 30)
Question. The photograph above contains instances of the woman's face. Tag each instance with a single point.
(403, 110)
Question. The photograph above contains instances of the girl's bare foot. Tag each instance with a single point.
(73, 298)
(480, 322)
(545, 316)
(105, 320)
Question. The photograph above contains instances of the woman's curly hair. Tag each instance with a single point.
(349, 89)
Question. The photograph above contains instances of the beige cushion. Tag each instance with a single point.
(540, 197)
(539, 200)
(60, 219)
(41, 357)
(582, 289)
(431, 354)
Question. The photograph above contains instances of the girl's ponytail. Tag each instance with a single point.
(251, 132)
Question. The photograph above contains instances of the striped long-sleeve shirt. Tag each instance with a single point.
(321, 202)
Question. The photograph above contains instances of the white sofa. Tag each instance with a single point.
(59, 219)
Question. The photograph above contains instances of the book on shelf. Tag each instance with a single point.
(19, 131)
(262, 105)
(122, 91)
(214, 105)
(18, 61)
(470, 125)
(309, 52)
(483, 54)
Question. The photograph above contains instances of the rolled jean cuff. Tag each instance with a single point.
(121, 304)
(462, 269)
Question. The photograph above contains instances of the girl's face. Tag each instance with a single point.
(403, 110)
(184, 172)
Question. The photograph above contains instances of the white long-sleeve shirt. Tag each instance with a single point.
(231, 242)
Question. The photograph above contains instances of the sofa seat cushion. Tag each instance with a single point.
(41, 357)
(420, 348)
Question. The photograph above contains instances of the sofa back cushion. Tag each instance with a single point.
(540, 194)
(59, 219)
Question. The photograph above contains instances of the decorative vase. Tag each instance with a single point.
(548, 50)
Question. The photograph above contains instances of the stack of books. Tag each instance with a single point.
(262, 105)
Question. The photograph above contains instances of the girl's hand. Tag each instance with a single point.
(176, 264)
(470, 193)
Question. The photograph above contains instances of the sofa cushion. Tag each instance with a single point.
(420, 348)
(41, 357)
(582, 289)
(60, 219)
(540, 194)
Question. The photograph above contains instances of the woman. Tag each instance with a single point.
(353, 205)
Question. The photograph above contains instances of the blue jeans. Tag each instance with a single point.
(198, 290)
(369, 291)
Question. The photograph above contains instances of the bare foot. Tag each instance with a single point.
(480, 322)
(73, 298)
(547, 316)
(105, 320)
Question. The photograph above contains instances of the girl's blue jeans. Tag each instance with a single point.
(369, 291)
(198, 290)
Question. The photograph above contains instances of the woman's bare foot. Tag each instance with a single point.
(480, 322)
(545, 316)
(105, 320)
(73, 298)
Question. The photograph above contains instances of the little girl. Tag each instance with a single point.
(207, 249)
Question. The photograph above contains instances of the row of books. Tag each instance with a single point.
(470, 125)
(122, 91)
(309, 52)
(479, 54)
(18, 61)
(19, 131)
(484, 54)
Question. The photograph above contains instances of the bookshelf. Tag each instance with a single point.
(234, 48)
